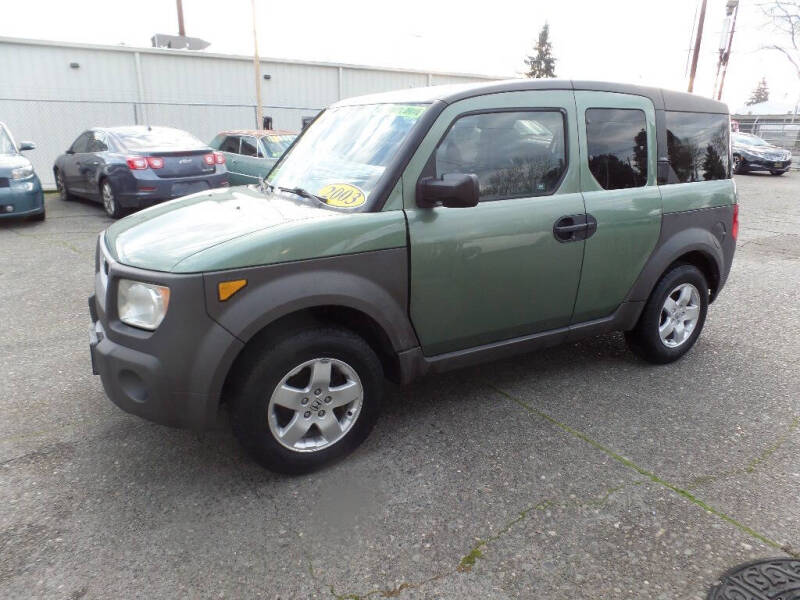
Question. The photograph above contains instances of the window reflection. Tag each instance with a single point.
(616, 141)
(697, 145)
(514, 154)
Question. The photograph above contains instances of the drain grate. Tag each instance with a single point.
(771, 579)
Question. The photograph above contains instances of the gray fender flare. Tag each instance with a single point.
(374, 283)
(671, 248)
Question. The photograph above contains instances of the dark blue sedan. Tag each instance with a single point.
(129, 168)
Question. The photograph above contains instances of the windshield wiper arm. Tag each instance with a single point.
(302, 193)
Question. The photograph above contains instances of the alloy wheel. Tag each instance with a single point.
(315, 405)
(109, 203)
(62, 189)
(679, 315)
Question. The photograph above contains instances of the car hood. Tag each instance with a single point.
(760, 149)
(243, 226)
(11, 161)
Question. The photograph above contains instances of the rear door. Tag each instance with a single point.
(618, 179)
(230, 148)
(496, 271)
(251, 161)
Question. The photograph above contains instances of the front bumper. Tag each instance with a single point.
(174, 375)
(754, 163)
(21, 199)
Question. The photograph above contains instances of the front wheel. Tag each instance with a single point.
(306, 400)
(673, 316)
(777, 172)
(61, 186)
(737, 164)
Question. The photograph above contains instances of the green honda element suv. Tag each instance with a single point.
(410, 233)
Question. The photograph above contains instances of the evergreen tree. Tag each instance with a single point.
(542, 64)
(760, 94)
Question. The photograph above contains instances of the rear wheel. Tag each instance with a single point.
(110, 203)
(63, 192)
(673, 316)
(306, 400)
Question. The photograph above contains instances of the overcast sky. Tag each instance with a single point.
(640, 41)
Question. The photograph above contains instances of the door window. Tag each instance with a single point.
(82, 143)
(230, 144)
(513, 153)
(616, 142)
(249, 146)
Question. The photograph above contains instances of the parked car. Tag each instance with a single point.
(751, 153)
(133, 167)
(250, 155)
(20, 189)
(411, 233)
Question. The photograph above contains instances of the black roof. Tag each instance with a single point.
(662, 99)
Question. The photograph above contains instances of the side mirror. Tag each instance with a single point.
(70, 151)
(453, 190)
(26, 146)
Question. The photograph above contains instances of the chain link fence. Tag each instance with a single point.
(54, 124)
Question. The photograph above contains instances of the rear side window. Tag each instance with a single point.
(230, 144)
(97, 143)
(514, 154)
(698, 146)
(249, 146)
(616, 141)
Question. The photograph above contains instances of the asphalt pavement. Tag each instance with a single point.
(575, 472)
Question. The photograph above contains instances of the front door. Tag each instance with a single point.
(73, 175)
(497, 270)
(618, 178)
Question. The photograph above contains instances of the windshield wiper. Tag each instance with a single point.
(298, 191)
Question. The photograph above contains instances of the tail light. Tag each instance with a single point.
(136, 163)
(735, 224)
(219, 158)
(209, 159)
(155, 162)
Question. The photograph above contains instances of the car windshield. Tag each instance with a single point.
(749, 140)
(347, 147)
(6, 145)
(163, 138)
(276, 145)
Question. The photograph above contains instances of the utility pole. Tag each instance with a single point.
(732, 8)
(181, 28)
(699, 39)
(257, 68)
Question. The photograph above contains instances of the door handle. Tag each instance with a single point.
(572, 228)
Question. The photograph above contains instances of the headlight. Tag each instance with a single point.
(140, 304)
(22, 172)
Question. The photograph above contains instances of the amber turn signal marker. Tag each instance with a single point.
(226, 289)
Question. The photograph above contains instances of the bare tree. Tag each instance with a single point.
(785, 18)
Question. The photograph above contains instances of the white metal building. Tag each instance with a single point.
(52, 91)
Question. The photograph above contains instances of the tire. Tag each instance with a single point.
(687, 287)
(777, 173)
(39, 217)
(276, 374)
(109, 198)
(63, 192)
(738, 165)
